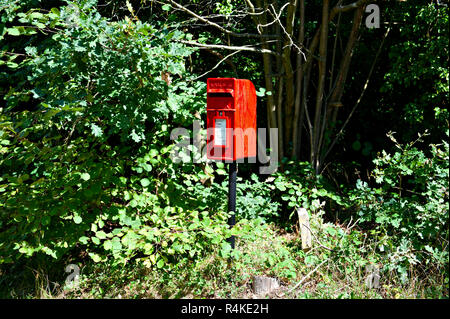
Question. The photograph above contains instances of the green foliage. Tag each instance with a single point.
(419, 66)
(411, 204)
(299, 187)
(85, 163)
(254, 199)
(85, 167)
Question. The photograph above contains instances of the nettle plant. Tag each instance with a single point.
(85, 144)
(410, 205)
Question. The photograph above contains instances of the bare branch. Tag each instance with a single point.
(338, 8)
(276, 18)
(304, 278)
(320, 85)
(228, 47)
(299, 111)
(338, 90)
(220, 62)
(251, 6)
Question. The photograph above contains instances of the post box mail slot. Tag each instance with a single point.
(231, 119)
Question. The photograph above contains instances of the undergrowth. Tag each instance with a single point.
(336, 267)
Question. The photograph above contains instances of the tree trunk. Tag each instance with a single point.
(289, 77)
(298, 107)
(336, 96)
(320, 87)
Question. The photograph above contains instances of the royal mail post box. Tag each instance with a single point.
(231, 119)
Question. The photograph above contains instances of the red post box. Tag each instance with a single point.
(231, 119)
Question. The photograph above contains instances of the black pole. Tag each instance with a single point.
(232, 198)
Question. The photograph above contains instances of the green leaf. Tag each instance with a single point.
(55, 11)
(13, 31)
(261, 92)
(96, 258)
(147, 167)
(116, 244)
(96, 130)
(77, 219)
(153, 152)
(85, 176)
(100, 234)
(356, 145)
(36, 15)
(166, 7)
(220, 164)
(145, 182)
(46, 220)
(107, 245)
(221, 171)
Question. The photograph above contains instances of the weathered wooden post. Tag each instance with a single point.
(305, 230)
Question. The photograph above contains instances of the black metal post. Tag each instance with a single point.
(232, 198)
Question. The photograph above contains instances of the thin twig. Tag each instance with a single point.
(320, 244)
(229, 55)
(228, 47)
(304, 278)
(291, 42)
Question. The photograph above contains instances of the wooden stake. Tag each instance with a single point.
(264, 285)
(305, 230)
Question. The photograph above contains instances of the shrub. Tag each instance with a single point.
(410, 205)
(84, 143)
